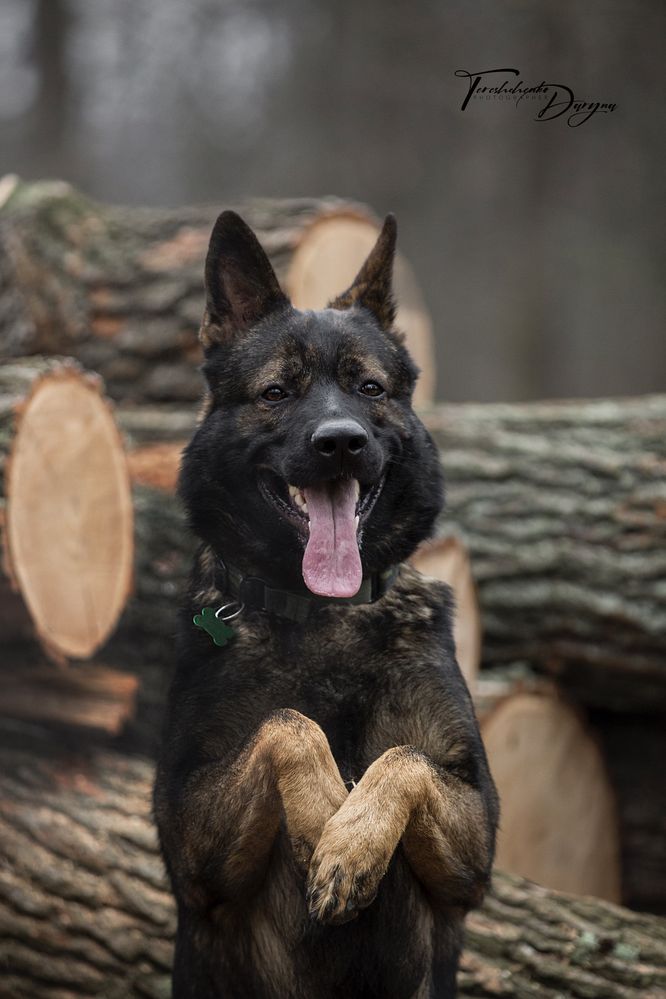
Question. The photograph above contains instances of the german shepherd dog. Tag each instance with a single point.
(323, 798)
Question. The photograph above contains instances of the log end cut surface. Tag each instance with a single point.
(69, 514)
(559, 823)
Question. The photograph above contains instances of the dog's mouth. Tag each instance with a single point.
(330, 517)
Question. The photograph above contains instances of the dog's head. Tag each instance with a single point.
(310, 463)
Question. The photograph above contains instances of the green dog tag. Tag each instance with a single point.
(218, 630)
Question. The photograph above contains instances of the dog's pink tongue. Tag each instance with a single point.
(332, 564)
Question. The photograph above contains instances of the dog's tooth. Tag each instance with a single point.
(304, 507)
(293, 490)
(356, 520)
(298, 499)
(357, 489)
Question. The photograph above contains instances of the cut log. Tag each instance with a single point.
(66, 508)
(84, 909)
(563, 509)
(494, 686)
(164, 553)
(90, 695)
(559, 822)
(531, 943)
(156, 465)
(145, 424)
(122, 289)
(156, 436)
(447, 559)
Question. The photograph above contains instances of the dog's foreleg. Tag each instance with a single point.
(443, 824)
(227, 818)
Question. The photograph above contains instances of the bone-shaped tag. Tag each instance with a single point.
(218, 629)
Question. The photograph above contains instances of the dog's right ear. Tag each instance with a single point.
(241, 286)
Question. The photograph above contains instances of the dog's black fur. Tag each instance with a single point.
(287, 885)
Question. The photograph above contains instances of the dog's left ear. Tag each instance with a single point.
(372, 287)
(241, 286)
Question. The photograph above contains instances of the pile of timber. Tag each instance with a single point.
(121, 289)
(553, 542)
(85, 910)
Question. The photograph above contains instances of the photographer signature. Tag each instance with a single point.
(560, 99)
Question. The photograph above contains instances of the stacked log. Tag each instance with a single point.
(67, 537)
(559, 824)
(553, 541)
(122, 289)
(563, 509)
(85, 910)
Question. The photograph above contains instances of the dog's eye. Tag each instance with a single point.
(274, 394)
(371, 389)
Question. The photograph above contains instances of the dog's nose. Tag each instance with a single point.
(339, 438)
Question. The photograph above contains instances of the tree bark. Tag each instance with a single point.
(85, 911)
(563, 509)
(121, 289)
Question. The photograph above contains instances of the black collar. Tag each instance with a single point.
(255, 594)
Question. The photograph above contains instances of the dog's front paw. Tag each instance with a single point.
(348, 864)
(335, 894)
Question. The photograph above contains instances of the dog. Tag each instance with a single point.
(323, 799)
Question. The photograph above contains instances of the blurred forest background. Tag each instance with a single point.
(538, 246)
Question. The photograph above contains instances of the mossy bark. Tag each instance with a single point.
(121, 288)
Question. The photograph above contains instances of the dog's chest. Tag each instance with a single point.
(327, 681)
(349, 681)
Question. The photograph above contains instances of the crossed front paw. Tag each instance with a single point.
(347, 866)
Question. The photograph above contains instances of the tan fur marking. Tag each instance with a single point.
(269, 955)
(287, 769)
(356, 366)
(208, 594)
(271, 374)
(308, 779)
(399, 795)
(211, 333)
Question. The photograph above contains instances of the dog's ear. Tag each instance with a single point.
(241, 286)
(372, 286)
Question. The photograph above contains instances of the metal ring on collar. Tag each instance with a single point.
(229, 617)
